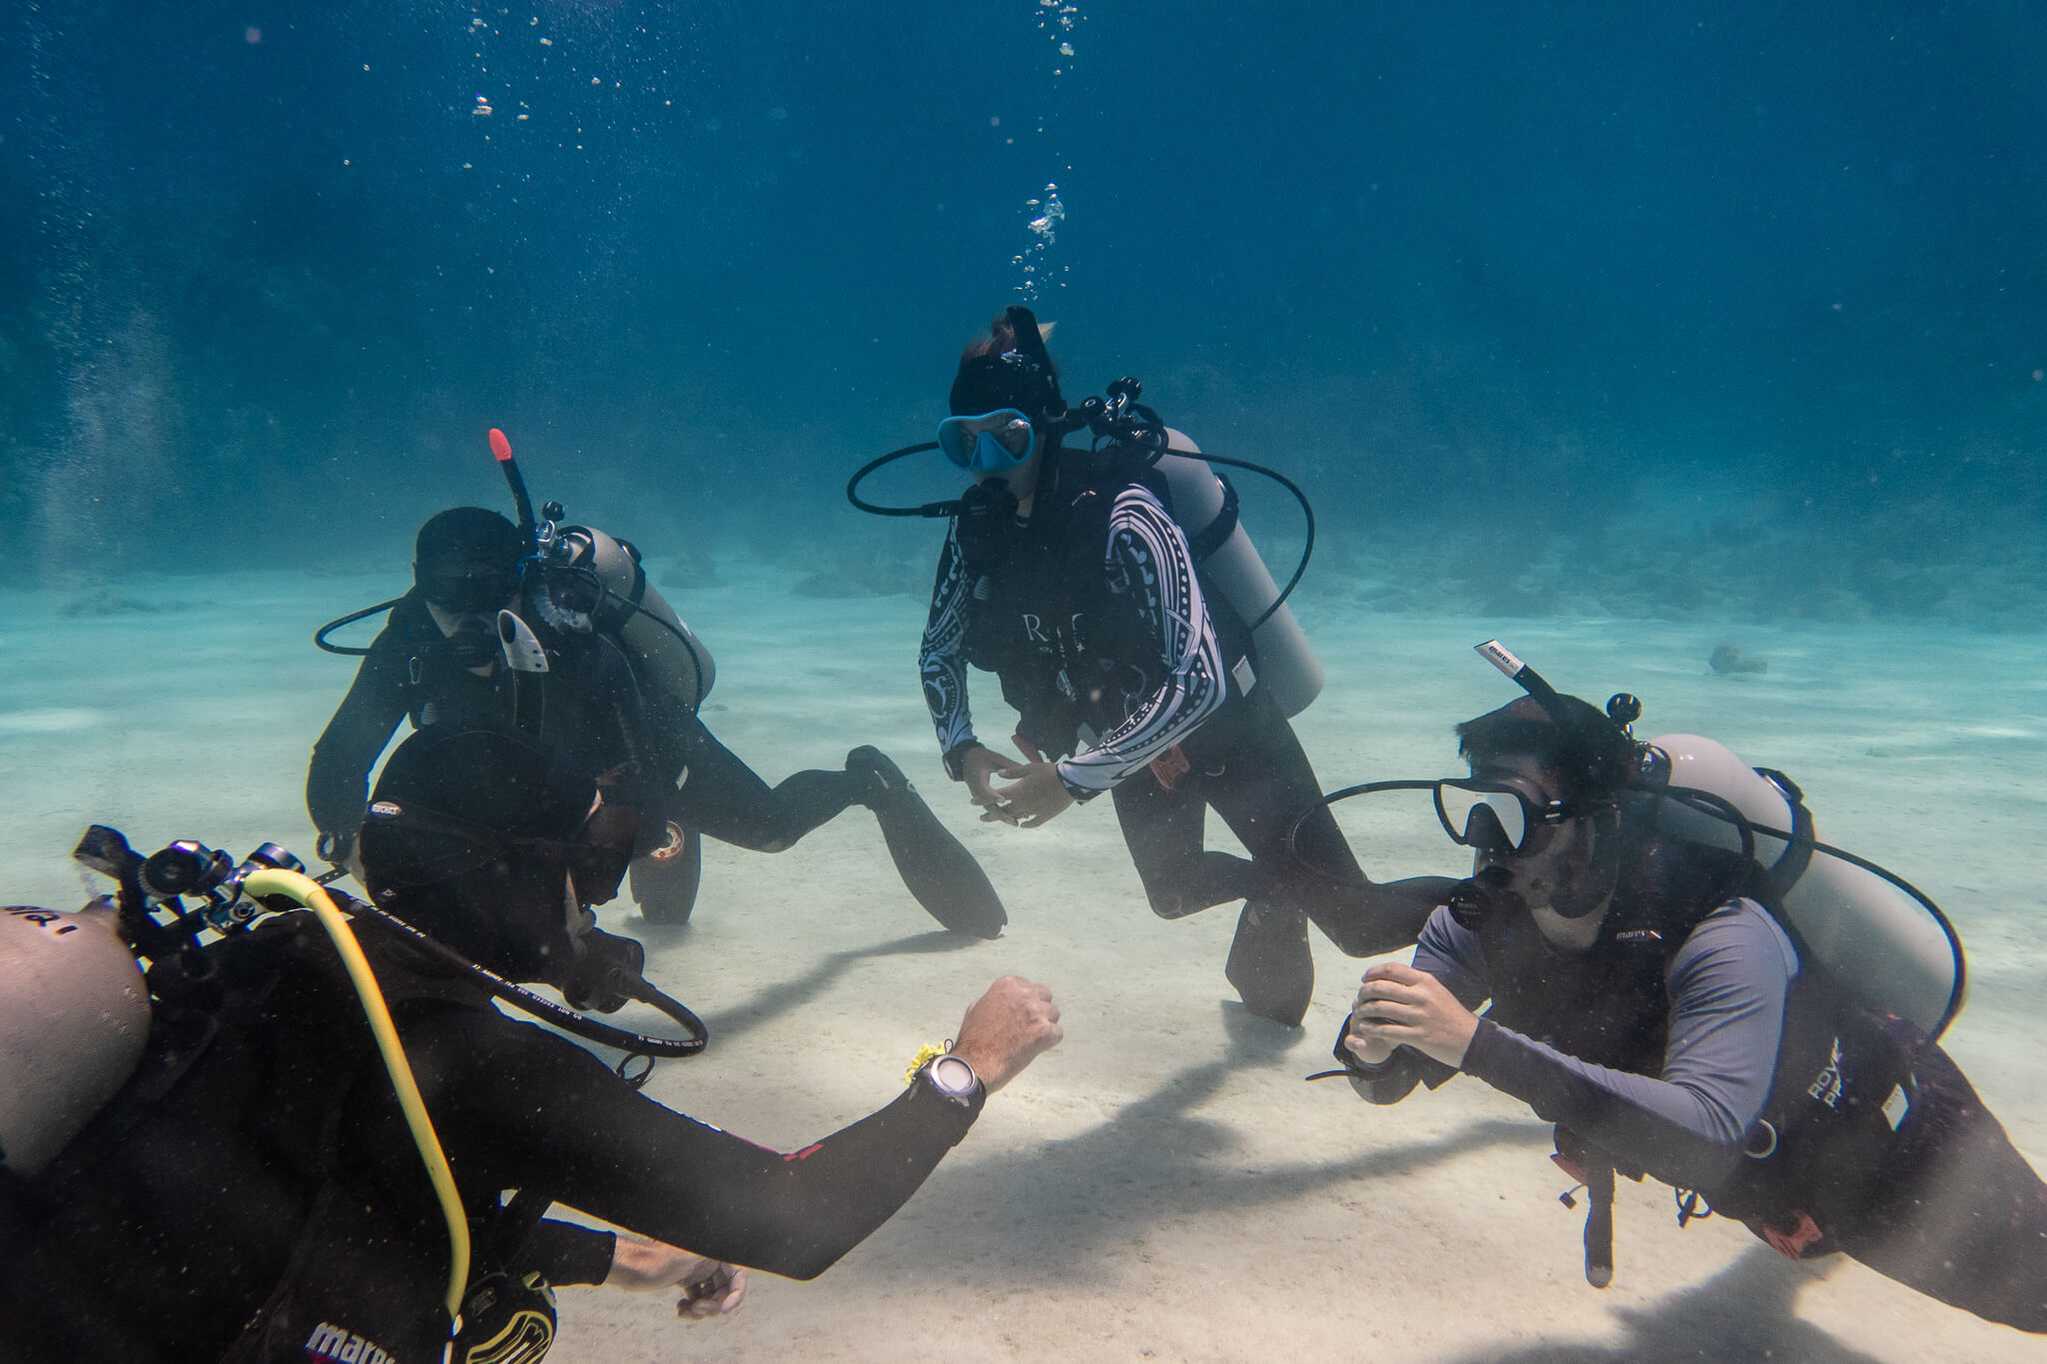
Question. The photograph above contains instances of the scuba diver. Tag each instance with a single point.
(1147, 653)
(554, 632)
(1693, 987)
(252, 1190)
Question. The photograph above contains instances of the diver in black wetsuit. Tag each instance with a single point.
(438, 660)
(1650, 1000)
(254, 1192)
(1067, 576)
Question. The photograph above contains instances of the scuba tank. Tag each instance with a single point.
(1286, 662)
(589, 580)
(1880, 943)
(74, 1019)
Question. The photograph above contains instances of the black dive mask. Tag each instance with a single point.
(464, 585)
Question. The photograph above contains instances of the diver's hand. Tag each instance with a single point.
(1359, 1040)
(1400, 1006)
(977, 765)
(1006, 1028)
(1036, 796)
(710, 1288)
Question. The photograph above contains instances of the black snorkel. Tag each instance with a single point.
(501, 450)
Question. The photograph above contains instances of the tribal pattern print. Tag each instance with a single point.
(941, 660)
(1148, 558)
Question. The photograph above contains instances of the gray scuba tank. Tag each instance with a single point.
(1883, 947)
(74, 1018)
(673, 667)
(1286, 663)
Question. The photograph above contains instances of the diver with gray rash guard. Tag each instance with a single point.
(1665, 1003)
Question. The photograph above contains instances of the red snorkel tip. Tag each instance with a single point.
(500, 446)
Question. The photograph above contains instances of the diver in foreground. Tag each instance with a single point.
(1723, 1003)
(1147, 653)
(525, 629)
(253, 1190)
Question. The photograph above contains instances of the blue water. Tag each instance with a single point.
(1612, 279)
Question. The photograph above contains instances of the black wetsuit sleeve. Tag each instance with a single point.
(1728, 986)
(337, 782)
(520, 1106)
(1454, 955)
(567, 1254)
(942, 655)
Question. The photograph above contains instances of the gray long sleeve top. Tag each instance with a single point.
(1728, 984)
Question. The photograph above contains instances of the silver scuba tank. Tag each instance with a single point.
(1286, 662)
(74, 1018)
(673, 667)
(1884, 947)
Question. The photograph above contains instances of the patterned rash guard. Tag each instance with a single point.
(1147, 577)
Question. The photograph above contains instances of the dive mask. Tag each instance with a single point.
(1494, 816)
(1491, 816)
(991, 443)
(466, 585)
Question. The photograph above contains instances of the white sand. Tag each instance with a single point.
(1163, 1185)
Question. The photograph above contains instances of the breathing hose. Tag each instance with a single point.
(308, 892)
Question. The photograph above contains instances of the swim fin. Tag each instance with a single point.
(934, 865)
(1270, 962)
(665, 877)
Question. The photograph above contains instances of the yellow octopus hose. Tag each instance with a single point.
(309, 893)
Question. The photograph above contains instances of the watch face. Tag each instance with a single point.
(953, 1075)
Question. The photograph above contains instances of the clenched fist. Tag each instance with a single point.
(1006, 1028)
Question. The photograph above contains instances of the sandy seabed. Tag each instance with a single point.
(1162, 1186)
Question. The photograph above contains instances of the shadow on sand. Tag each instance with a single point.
(1744, 1312)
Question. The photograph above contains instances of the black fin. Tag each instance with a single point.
(1270, 962)
(935, 866)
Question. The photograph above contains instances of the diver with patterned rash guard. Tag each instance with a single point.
(1066, 574)
(255, 1194)
(1650, 996)
(439, 661)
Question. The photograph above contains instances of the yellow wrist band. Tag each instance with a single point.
(926, 1054)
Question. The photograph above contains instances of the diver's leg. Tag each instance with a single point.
(1162, 827)
(1268, 787)
(1962, 1216)
(723, 798)
(1270, 963)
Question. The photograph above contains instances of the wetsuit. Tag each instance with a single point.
(1730, 1070)
(1141, 682)
(584, 707)
(255, 1189)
